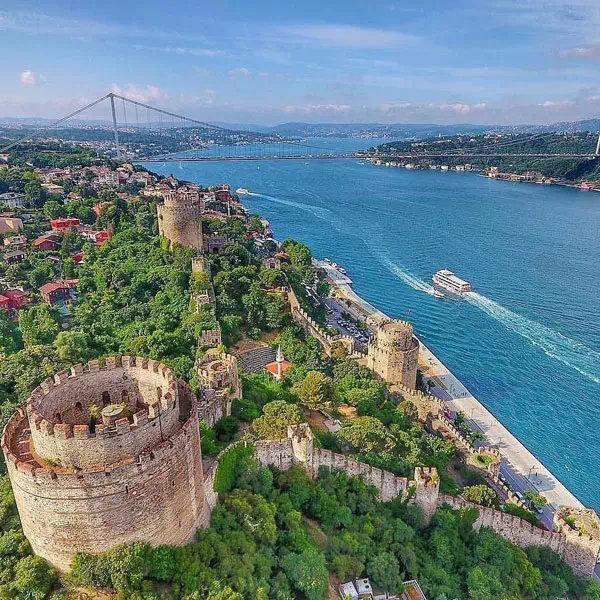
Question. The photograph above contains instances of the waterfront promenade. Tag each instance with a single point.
(520, 467)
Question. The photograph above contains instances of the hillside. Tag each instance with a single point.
(495, 145)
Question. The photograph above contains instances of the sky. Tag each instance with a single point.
(327, 61)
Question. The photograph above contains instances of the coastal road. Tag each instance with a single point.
(360, 309)
(520, 467)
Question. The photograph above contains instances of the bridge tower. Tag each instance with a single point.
(598, 146)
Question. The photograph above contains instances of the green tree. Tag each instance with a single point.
(367, 434)
(8, 333)
(38, 324)
(316, 390)
(34, 578)
(41, 274)
(54, 209)
(35, 194)
(276, 418)
(481, 494)
(384, 571)
(307, 573)
(536, 500)
(72, 347)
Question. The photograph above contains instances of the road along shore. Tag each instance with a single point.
(520, 467)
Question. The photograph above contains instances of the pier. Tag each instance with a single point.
(521, 469)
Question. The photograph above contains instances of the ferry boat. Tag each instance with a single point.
(437, 294)
(447, 280)
(242, 191)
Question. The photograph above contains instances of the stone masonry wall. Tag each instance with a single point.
(181, 222)
(579, 551)
(313, 328)
(156, 495)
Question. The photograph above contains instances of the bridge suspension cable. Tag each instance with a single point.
(52, 125)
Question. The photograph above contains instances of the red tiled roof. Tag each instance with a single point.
(48, 288)
(272, 367)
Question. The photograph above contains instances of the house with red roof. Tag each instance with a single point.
(46, 242)
(54, 292)
(64, 224)
(16, 298)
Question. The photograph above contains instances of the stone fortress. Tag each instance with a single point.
(101, 456)
(394, 354)
(220, 383)
(180, 218)
(577, 545)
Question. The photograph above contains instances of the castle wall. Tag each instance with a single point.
(155, 495)
(219, 378)
(315, 330)
(579, 551)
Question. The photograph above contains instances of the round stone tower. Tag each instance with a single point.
(104, 456)
(394, 354)
(180, 218)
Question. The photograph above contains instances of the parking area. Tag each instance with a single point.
(340, 320)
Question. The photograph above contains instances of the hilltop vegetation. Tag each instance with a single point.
(275, 535)
(576, 169)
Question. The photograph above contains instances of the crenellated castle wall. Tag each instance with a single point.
(315, 329)
(219, 379)
(150, 488)
(578, 550)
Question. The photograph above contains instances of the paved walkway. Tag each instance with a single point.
(520, 467)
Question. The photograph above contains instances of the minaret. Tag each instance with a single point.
(279, 358)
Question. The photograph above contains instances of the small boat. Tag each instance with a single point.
(242, 191)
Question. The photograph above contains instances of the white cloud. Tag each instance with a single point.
(239, 72)
(557, 104)
(147, 94)
(587, 52)
(317, 108)
(28, 78)
(349, 36)
(181, 50)
(39, 24)
(462, 109)
(398, 106)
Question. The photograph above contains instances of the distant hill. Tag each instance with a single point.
(402, 131)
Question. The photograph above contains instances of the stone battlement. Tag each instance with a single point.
(577, 549)
(316, 330)
(137, 478)
(396, 325)
(218, 377)
(58, 420)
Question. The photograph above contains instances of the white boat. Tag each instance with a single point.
(448, 281)
(242, 191)
(437, 294)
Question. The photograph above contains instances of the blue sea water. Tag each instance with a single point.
(527, 344)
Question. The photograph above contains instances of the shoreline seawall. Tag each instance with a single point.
(521, 468)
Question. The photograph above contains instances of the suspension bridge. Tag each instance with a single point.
(134, 130)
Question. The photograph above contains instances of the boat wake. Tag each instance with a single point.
(317, 211)
(411, 280)
(570, 352)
